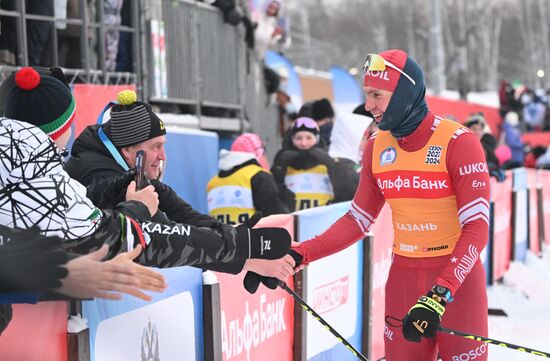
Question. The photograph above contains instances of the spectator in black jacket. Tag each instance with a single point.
(36, 191)
(107, 151)
(303, 170)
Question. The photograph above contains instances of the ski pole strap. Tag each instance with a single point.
(305, 306)
(492, 341)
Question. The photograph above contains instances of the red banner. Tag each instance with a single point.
(36, 332)
(536, 138)
(90, 101)
(532, 178)
(258, 326)
(382, 254)
(545, 180)
(501, 194)
(460, 110)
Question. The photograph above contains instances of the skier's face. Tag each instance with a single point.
(376, 101)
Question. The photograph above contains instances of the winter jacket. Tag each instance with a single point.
(306, 164)
(241, 188)
(91, 164)
(36, 191)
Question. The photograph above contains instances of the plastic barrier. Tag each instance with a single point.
(520, 208)
(192, 159)
(533, 186)
(170, 325)
(335, 295)
(501, 194)
(36, 332)
(258, 326)
(545, 180)
(381, 251)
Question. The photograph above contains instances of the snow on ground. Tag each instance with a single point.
(524, 295)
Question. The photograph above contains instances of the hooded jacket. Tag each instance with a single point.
(91, 164)
(243, 168)
(36, 191)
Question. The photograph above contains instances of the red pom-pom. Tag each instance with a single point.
(27, 78)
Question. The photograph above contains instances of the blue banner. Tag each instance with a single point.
(290, 82)
(334, 289)
(192, 159)
(347, 91)
(170, 325)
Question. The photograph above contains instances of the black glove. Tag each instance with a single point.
(321, 156)
(108, 191)
(266, 243)
(30, 261)
(424, 317)
(252, 280)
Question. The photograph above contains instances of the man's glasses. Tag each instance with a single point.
(306, 122)
(375, 62)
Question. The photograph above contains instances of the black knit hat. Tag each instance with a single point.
(132, 122)
(322, 109)
(39, 96)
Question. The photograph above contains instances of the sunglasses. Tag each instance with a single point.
(375, 62)
(306, 123)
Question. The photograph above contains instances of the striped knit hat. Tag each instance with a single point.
(132, 122)
(39, 96)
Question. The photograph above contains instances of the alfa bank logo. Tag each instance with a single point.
(331, 296)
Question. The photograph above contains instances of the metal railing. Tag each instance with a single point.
(204, 61)
(88, 28)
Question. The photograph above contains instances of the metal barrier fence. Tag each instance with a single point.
(203, 61)
(90, 29)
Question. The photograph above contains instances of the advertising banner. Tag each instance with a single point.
(533, 185)
(333, 287)
(167, 328)
(90, 100)
(258, 326)
(36, 332)
(501, 194)
(382, 243)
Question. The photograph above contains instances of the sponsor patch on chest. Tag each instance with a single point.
(434, 154)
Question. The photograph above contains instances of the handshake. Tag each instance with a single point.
(252, 280)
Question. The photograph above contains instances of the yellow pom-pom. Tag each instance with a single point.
(126, 97)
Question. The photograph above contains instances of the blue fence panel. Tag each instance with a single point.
(192, 159)
(521, 223)
(170, 325)
(334, 289)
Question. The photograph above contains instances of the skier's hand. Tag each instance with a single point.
(263, 242)
(424, 317)
(276, 272)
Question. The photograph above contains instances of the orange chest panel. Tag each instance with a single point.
(418, 188)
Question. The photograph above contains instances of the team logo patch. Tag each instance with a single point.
(388, 156)
(434, 154)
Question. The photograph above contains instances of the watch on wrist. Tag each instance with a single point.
(443, 292)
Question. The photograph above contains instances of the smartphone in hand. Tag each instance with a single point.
(141, 182)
